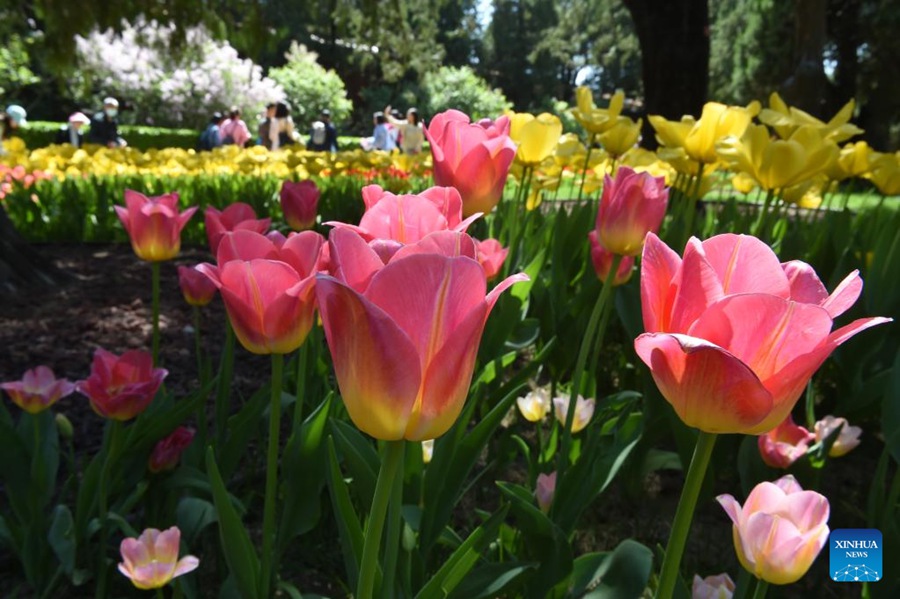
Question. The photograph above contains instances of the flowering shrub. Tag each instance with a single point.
(168, 88)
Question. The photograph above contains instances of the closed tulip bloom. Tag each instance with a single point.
(300, 203)
(733, 335)
(168, 450)
(784, 444)
(154, 224)
(846, 440)
(121, 387)
(717, 121)
(602, 259)
(719, 586)
(534, 405)
(151, 560)
(584, 411)
(621, 137)
(596, 120)
(38, 390)
(473, 158)
(779, 163)
(236, 217)
(491, 256)
(632, 205)
(536, 136)
(196, 287)
(544, 490)
(780, 529)
(404, 334)
(268, 291)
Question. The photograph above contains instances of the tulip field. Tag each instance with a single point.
(528, 363)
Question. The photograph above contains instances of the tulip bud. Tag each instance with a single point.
(584, 411)
(534, 405)
(632, 205)
(784, 444)
(846, 440)
(64, 426)
(168, 450)
(602, 260)
(154, 224)
(719, 586)
(299, 203)
(196, 287)
(544, 490)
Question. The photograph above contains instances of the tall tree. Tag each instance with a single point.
(674, 37)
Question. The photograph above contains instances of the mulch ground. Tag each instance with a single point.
(107, 304)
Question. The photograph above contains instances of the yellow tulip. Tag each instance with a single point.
(569, 151)
(787, 119)
(596, 120)
(716, 122)
(885, 173)
(621, 137)
(805, 195)
(536, 136)
(853, 161)
(778, 164)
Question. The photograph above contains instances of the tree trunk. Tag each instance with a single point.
(21, 267)
(674, 39)
(807, 87)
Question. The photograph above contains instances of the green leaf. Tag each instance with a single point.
(360, 457)
(463, 559)
(622, 573)
(543, 540)
(490, 580)
(193, 515)
(523, 290)
(62, 538)
(239, 552)
(349, 527)
(242, 427)
(303, 464)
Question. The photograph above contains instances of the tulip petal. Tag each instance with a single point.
(244, 245)
(709, 388)
(731, 507)
(744, 264)
(301, 250)
(844, 295)
(352, 260)
(806, 287)
(379, 393)
(659, 265)
(697, 287)
(188, 563)
(445, 243)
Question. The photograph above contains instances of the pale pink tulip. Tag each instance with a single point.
(544, 490)
(584, 411)
(632, 205)
(733, 336)
(404, 335)
(473, 158)
(38, 390)
(534, 405)
(784, 444)
(846, 440)
(719, 586)
(151, 560)
(779, 530)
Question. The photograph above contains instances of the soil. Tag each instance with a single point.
(108, 305)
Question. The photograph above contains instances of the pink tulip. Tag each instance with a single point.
(719, 586)
(300, 203)
(846, 440)
(196, 287)
(780, 529)
(544, 490)
(602, 259)
(154, 224)
(584, 411)
(151, 560)
(784, 444)
(404, 334)
(38, 390)
(168, 450)
(236, 217)
(632, 205)
(491, 256)
(267, 289)
(121, 387)
(473, 158)
(733, 336)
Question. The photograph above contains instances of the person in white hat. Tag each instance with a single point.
(105, 127)
(71, 133)
(10, 120)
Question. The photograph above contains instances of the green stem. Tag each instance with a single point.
(695, 185)
(684, 514)
(587, 160)
(223, 390)
(112, 451)
(268, 565)
(586, 343)
(155, 267)
(198, 349)
(159, 593)
(763, 214)
(369, 566)
(301, 384)
(394, 530)
(761, 587)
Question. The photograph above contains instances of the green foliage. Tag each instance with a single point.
(462, 89)
(311, 87)
(43, 133)
(15, 71)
